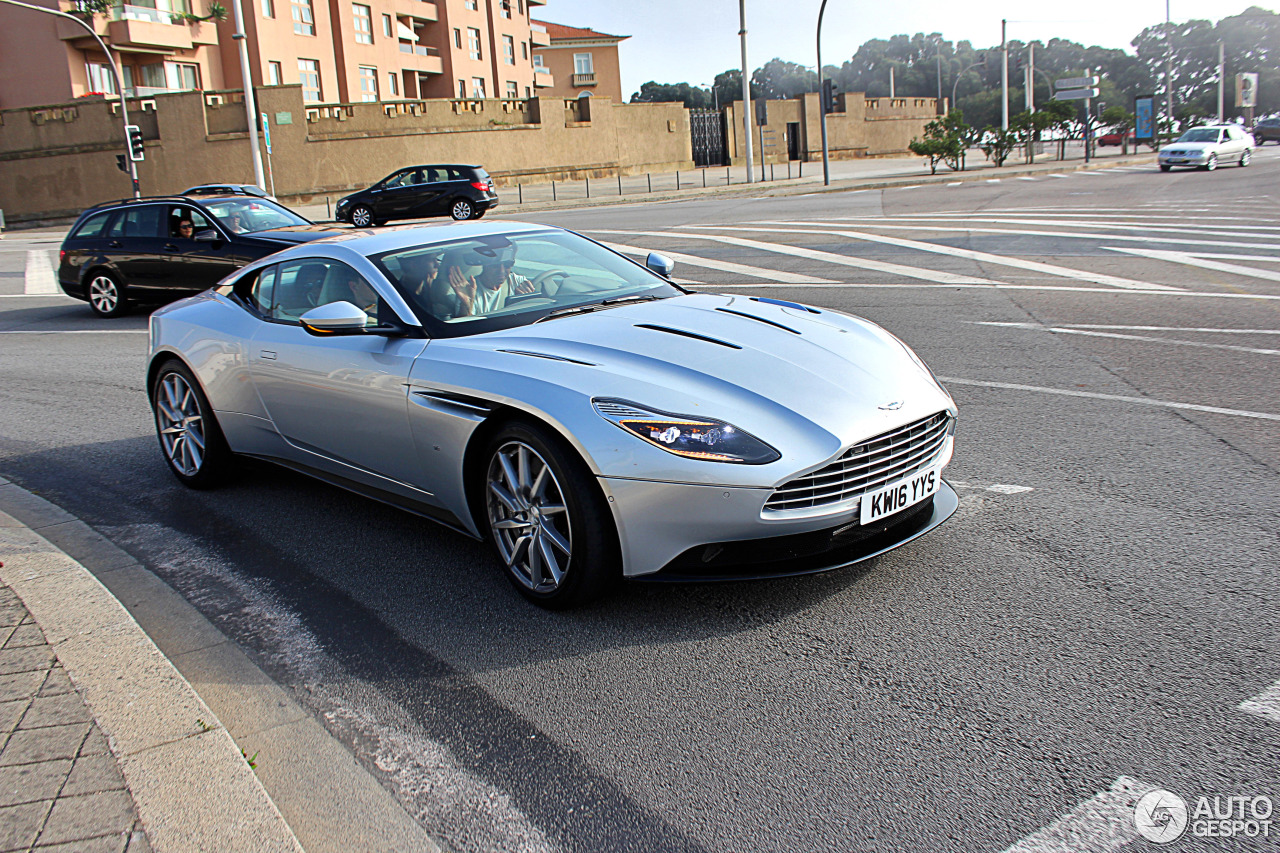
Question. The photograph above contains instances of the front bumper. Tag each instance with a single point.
(683, 532)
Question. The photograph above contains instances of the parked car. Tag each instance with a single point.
(585, 415)
(1266, 130)
(1115, 137)
(1207, 147)
(135, 251)
(415, 192)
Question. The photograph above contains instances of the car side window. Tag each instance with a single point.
(92, 227)
(401, 179)
(302, 285)
(180, 213)
(144, 221)
(456, 174)
(261, 294)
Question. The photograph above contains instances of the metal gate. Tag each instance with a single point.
(707, 130)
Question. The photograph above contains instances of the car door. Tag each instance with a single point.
(394, 198)
(429, 194)
(340, 401)
(143, 252)
(206, 262)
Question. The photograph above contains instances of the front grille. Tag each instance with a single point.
(866, 466)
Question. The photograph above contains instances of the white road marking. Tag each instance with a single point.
(813, 254)
(1097, 225)
(30, 295)
(998, 488)
(955, 183)
(1026, 179)
(1059, 176)
(725, 266)
(1062, 330)
(1119, 398)
(1101, 824)
(39, 278)
(1000, 286)
(1265, 704)
(75, 332)
(993, 180)
(1142, 328)
(1193, 261)
(970, 254)
(1134, 238)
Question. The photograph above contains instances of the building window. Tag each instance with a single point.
(520, 6)
(368, 84)
(477, 87)
(274, 77)
(538, 60)
(393, 84)
(100, 78)
(304, 22)
(386, 25)
(508, 50)
(528, 92)
(309, 74)
(473, 42)
(152, 76)
(513, 91)
(504, 8)
(364, 23)
(524, 50)
(457, 38)
(471, 4)
(582, 64)
(268, 9)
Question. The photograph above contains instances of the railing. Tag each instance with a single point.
(164, 12)
(584, 79)
(420, 50)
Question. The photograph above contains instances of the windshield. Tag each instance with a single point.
(1200, 134)
(497, 282)
(241, 215)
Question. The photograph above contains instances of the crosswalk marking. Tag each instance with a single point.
(1141, 328)
(812, 254)
(725, 266)
(1102, 824)
(1096, 225)
(984, 257)
(1194, 261)
(1265, 704)
(39, 277)
(1093, 333)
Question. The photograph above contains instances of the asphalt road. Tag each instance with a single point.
(1097, 610)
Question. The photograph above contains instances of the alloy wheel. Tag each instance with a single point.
(362, 217)
(104, 294)
(181, 424)
(1212, 162)
(461, 210)
(528, 517)
(1244, 158)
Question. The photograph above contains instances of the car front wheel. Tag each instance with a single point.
(462, 209)
(106, 295)
(1244, 158)
(1211, 163)
(362, 217)
(190, 438)
(546, 518)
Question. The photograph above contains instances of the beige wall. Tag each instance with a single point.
(56, 161)
(559, 61)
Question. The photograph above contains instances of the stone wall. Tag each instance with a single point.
(55, 161)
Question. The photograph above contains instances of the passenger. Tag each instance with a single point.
(418, 276)
(237, 222)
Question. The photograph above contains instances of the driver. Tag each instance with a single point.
(486, 292)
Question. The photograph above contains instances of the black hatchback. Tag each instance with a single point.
(1267, 130)
(153, 250)
(463, 192)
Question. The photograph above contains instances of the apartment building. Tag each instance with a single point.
(579, 61)
(338, 50)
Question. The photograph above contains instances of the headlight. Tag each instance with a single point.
(690, 437)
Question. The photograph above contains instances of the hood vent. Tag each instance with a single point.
(687, 334)
(759, 320)
(783, 303)
(548, 356)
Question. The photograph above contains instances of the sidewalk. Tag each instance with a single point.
(60, 787)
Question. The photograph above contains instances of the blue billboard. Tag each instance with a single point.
(1144, 112)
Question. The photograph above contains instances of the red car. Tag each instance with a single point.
(1114, 138)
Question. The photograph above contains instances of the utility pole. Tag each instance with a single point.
(822, 111)
(891, 94)
(1222, 73)
(1168, 66)
(1029, 77)
(939, 58)
(115, 76)
(746, 85)
(1004, 75)
(250, 108)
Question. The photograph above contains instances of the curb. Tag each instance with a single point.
(191, 784)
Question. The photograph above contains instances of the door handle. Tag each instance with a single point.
(268, 354)
(169, 247)
(115, 244)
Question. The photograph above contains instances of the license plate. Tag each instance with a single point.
(1179, 160)
(900, 494)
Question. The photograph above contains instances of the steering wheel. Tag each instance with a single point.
(540, 281)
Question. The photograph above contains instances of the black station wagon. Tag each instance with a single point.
(154, 250)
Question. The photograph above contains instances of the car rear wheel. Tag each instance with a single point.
(190, 438)
(362, 217)
(106, 295)
(1244, 158)
(1165, 168)
(462, 209)
(1211, 163)
(547, 519)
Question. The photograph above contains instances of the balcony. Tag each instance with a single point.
(423, 10)
(425, 59)
(584, 80)
(538, 35)
(542, 78)
(148, 35)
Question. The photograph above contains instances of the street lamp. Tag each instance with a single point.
(746, 84)
(961, 74)
(822, 109)
(115, 76)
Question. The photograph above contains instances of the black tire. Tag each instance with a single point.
(477, 214)
(1244, 158)
(1211, 163)
(1165, 168)
(462, 209)
(107, 295)
(593, 563)
(190, 439)
(362, 216)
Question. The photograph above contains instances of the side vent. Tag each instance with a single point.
(547, 356)
(759, 320)
(684, 333)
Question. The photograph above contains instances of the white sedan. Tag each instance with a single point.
(1206, 147)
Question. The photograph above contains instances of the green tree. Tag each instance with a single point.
(999, 144)
(693, 97)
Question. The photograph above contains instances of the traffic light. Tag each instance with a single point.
(829, 92)
(136, 152)
(122, 163)
(1015, 63)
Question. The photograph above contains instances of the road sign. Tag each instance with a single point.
(1075, 83)
(266, 132)
(1075, 94)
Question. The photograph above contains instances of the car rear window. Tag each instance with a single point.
(92, 227)
(142, 221)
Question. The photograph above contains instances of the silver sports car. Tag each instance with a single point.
(588, 417)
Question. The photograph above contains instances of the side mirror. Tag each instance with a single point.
(208, 235)
(660, 264)
(336, 318)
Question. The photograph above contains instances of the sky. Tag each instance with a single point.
(691, 41)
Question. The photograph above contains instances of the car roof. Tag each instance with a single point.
(441, 166)
(226, 189)
(377, 241)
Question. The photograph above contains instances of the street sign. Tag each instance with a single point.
(1076, 83)
(1075, 94)
(266, 132)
